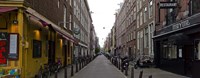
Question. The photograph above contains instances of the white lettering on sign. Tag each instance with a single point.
(181, 25)
(167, 5)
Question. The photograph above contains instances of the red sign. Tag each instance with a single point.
(3, 48)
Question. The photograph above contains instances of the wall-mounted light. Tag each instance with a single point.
(15, 22)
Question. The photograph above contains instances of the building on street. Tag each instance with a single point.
(177, 36)
(38, 32)
(83, 22)
(135, 26)
(145, 27)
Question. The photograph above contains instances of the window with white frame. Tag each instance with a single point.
(145, 14)
(138, 40)
(58, 4)
(134, 13)
(150, 8)
(141, 41)
(64, 19)
(138, 22)
(151, 30)
(132, 17)
(138, 5)
(70, 2)
(70, 22)
(141, 20)
(146, 37)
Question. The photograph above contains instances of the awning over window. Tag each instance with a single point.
(7, 9)
(47, 22)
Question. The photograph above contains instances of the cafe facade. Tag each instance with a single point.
(177, 44)
(29, 39)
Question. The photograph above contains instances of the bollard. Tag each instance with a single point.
(72, 70)
(150, 76)
(122, 69)
(79, 65)
(65, 72)
(132, 72)
(126, 71)
(76, 67)
(56, 74)
(141, 73)
(119, 65)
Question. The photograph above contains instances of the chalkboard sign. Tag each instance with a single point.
(37, 49)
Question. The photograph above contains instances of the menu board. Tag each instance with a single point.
(13, 46)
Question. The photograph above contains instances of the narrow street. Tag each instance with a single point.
(101, 67)
(99, 39)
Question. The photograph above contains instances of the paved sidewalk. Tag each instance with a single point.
(155, 72)
(61, 73)
(101, 67)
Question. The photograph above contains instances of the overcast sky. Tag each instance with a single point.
(103, 16)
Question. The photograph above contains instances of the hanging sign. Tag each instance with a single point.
(167, 4)
(3, 47)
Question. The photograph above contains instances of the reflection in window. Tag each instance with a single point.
(169, 51)
(37, 49)
(197, 49)
(195, 6)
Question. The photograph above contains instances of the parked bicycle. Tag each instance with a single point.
(58, 64)
(43, 72)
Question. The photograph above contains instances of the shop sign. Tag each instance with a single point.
(188, 22)
(3, 47)
(180, 25)
(167, 4)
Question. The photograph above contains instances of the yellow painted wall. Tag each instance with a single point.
(13, 28)
(69, 58)
(28, 31)
(59, 48)
(35, 32)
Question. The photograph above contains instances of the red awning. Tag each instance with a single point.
(67, 37)
(52, 25)
(7, 9)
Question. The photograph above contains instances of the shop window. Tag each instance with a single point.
(37, 49)
(197, 49)
(169, 51)
(172, 52)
